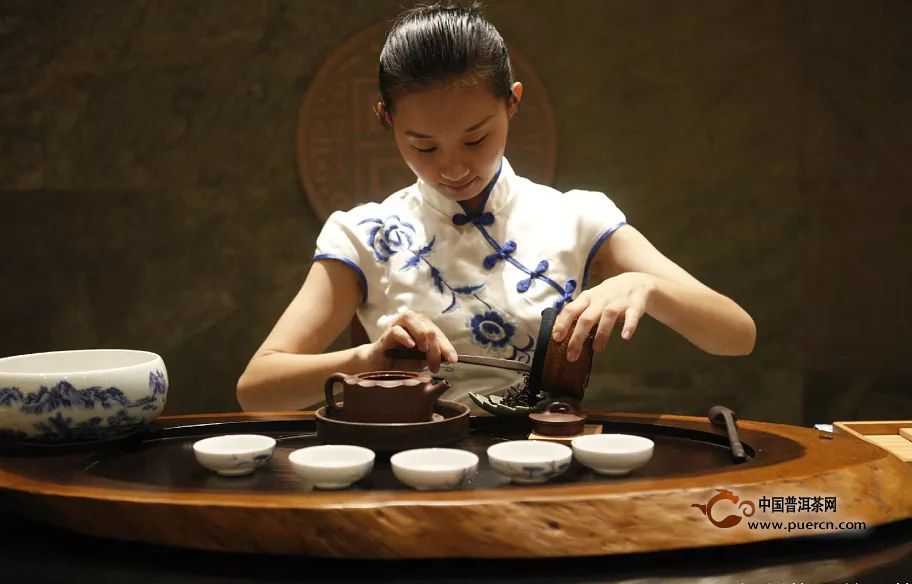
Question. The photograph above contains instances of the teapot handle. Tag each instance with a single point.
(328, 389)
(559, 407)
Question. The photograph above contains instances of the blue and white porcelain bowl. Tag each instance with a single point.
(68, 397)
(530, 461)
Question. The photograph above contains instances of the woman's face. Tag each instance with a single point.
(453, 136)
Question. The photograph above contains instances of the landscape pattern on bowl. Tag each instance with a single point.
(234, 454)
(75, 396)
(530, 461)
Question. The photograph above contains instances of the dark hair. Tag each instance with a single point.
(439, 43)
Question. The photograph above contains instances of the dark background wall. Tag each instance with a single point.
(149, 196)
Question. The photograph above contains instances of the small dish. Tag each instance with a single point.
(612, 454)
(332, 466)
(530, 461)
(235, 454)
(434, 469)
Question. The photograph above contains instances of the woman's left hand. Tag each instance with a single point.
(624, 297)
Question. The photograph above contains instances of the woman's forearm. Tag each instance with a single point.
(275, 381)
(711, 321)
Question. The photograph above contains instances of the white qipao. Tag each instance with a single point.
(484, 279)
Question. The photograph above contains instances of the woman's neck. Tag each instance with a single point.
(474, 205)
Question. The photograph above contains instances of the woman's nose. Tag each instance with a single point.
(454, 173)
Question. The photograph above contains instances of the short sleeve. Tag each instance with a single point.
(597, 218)
(339, 240)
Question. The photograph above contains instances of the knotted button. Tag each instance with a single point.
(501, 254)
(482, 220)
(569, 289)
(540, 269)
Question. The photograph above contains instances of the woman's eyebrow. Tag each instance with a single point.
(472, 128)
(479, 124)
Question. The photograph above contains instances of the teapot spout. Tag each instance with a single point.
(438, 388)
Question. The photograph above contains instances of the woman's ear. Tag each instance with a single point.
(515, 97)
(383, 114)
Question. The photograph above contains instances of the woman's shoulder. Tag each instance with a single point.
(575, 200)
(402, 202)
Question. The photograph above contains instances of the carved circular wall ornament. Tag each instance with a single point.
(346, 157)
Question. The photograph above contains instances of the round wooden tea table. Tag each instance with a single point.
(31, 552)
(691, 495)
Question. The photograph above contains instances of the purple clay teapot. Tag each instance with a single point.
(384, 397)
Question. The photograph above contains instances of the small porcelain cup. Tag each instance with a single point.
(434, 469)
(234, 455)
(612, 454)
(530, 461)
(332, 466)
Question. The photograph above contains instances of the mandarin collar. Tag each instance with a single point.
(495, 196)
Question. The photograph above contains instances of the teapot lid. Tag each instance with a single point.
(559, 414)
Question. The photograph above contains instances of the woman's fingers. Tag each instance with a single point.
(446, 348)
(584, 325)
(631, 320)
(400, 336)
(428, 338)
(634, 313)
(567, 315)
(416, 325)
(433, 350)
(607, 321)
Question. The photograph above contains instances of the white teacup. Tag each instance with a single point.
(530, 461)
(612, 454)
(236, 454)
(332, 466)
(434, 469)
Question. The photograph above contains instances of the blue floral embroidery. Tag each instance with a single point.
(389, 237)
(492, 329)
(440, 282)
(523, 354)
(489, 328)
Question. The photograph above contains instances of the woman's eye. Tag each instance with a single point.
(477, 142)
(425, 150)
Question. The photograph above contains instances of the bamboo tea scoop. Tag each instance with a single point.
(470, 359)
(725, 418)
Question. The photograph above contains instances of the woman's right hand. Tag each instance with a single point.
(410, 330)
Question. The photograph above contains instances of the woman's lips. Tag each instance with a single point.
(459, 188)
